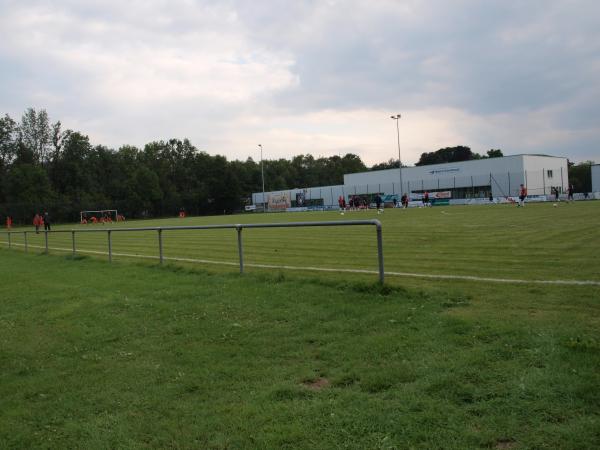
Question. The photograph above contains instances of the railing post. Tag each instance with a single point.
(109, 247)
(73, 240)
(380, 251)
(25, 237)
(8, 238)
(46, 240)
(240, 247)
(160, 246)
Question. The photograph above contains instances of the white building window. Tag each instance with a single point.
(549, 174)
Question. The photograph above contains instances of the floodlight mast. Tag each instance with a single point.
(397, 119)
(262, 172)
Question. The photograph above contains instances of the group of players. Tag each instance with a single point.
(104, 218)
(356, 202)
(40, 220)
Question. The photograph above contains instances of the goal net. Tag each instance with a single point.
(99, 216)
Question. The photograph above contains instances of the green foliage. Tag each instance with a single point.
(390, 164)
(494, 153)
(580, 176)
(157, 180)
(455, 154)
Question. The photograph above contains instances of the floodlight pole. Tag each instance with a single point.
(262, 172)
(397, 119)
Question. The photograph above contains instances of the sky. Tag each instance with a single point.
(311, 77)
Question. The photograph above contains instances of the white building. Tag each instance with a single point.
(500, 177)
(596, 178)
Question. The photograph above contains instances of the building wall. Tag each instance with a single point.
(502, 176)
(329, 194)
(492, 172)
(545, 172)
(596, 178)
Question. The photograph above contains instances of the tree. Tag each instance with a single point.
(448, 154)
(35, 133)
(580, 176)
(27, 184)
(70, 171)
(389, 164)
(494, 153)
(8, 140)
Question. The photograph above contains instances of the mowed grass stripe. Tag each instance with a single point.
(339, 270)
(500, 241)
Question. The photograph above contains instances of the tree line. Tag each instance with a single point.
(43, 167)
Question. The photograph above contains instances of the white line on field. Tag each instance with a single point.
(340, 270)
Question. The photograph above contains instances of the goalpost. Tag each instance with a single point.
(102, 215)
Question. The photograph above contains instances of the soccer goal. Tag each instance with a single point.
(102, 216)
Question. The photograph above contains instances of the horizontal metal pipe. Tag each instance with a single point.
(239, 227)
(225, 226)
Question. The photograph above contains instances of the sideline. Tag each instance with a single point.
(327, 269)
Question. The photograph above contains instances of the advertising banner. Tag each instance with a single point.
(441, 194)
(280, 201)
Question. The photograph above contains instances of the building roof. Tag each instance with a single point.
(462, 162)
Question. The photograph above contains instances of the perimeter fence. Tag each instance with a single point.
(160, 231)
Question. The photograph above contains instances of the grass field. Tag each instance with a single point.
(132, 355)
(500, 241)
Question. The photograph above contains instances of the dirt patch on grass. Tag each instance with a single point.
(505, 444)
(316, 385)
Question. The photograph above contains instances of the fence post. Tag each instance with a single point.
(109, 247)
(240, 247)
(25, 237)
(544, 180)
(160, 246)
(472, 188)
(73, 241)
(380, 251)
(46, 240)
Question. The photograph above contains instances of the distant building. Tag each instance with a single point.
(500, 177)
(596, 178)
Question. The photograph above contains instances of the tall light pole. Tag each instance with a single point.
(262, 172)
(397, 119)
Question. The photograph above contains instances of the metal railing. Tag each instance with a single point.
(238, 227)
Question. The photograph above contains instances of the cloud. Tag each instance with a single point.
(318, 77)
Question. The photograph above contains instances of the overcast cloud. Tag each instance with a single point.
(318, 77)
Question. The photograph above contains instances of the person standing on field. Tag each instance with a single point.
(46, 221)
(404, 200)
(570, 192)
(378, 201)
(37, 221)
(522, 195)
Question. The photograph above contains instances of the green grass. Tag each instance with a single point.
(133, 355)
(499, 241)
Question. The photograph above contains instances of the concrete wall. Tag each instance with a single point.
(596, 178)
(329, 194)
(463, 174)
(504, 175)
(545, 172)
